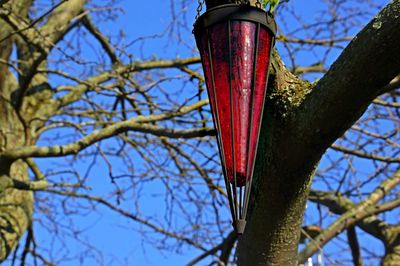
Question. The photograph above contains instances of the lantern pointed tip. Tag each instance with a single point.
(240, 226)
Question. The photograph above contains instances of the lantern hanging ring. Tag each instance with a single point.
(235, 43)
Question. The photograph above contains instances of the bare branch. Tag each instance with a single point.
(105, 43)
(365, 209)
(344, 93)
(94, 81)
(130, 216)
(326, 42)
(134, 124)
(354, 246)
(365, 155)
(227, 242)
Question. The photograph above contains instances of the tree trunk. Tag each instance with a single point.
(16, 206)
(25, 103)
(273, 229)
(17, 127)
(281, 183)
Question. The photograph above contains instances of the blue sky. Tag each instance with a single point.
(105, 229)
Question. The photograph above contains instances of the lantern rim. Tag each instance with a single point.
(236, 12)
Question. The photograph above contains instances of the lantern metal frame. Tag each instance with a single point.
(238, 197)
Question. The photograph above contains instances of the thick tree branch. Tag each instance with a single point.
(103, 40)
(309, 232)
(365, 209)
(60, 19)
(367, 65)
(40, 185)
(354, 246)
(365, 155)
(389, 235)
(134, 124)
(339, 204)
(321, 42)
(393, 85)
(43, 39)
(317, 68)
(346, 220)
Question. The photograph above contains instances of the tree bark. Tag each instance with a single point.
(24, 105)
(279, 197)
(16, 207)
(392, 246)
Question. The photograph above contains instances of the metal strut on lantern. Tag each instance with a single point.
(235, 43)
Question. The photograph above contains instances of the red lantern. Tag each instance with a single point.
(235, 43)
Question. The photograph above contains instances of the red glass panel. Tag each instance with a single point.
(242, 47)
(220, 64)
(214, 55)
(264, 48)
(205, 58)
(216, 71)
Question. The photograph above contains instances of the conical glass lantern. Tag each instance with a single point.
(235, 43)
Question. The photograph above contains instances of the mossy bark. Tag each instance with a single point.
(392, 246)
(16, 130)
(16, 207)
(279, 197)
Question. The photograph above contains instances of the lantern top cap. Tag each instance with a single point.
(236, 12)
